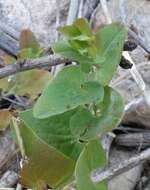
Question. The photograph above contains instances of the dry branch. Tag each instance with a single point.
(24, 65)
(9, 30)
(9, 39)
(8, 44)
(89, 7)
(115, 170)
(137, 112)
(9, 179)
(141, 140)
(138, 40)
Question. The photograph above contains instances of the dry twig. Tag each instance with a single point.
(24, 65)
(115, 170)
(9, 179)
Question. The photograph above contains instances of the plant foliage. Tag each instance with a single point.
(61, 133)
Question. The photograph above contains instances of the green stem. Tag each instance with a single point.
(19, 138)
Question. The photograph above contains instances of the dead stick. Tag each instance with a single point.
(138, 40)
(133, 139)
(115, 170)
(24, 65)
(9, 179)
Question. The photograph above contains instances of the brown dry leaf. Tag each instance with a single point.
(28, 40)
(5, 118)
(8, 59)
(31, 83)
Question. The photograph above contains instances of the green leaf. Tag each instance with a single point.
(109, 113)
(27, 53)
(79, 46)
(55, 131)
(64, 48)
(103, 49)
(112, 112)
(45, 164)
(92, 157)
(67, 91)
(70, 51)
(83, 26)
(28, 40)
(69, 30)
(79, 122)
(78, 30)
(109, 43)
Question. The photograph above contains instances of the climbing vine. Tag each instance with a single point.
(61, 133)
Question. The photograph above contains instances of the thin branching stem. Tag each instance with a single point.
(24, 65)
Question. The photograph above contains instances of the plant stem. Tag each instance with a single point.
(112, 171)
(28, 64)
(19, 138)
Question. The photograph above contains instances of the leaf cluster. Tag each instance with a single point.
(61, 134)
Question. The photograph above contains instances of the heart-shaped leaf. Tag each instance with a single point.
(55, 131)
(86, 126)
(91, 158)
(45, 164)
(67, 91)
